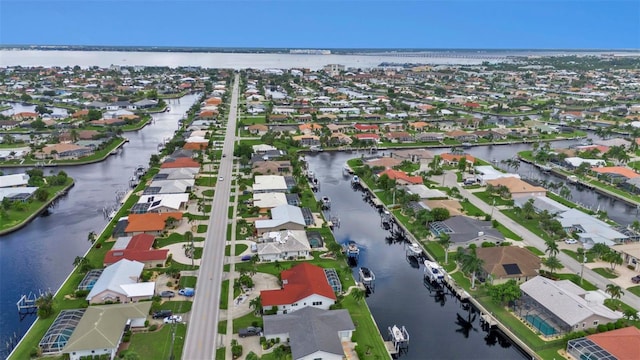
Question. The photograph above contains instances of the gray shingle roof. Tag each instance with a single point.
(310, 330)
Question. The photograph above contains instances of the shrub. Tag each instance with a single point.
(602, 328)
(611, 326)
(81, 293)
(153, 327)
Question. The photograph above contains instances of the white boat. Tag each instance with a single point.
(398, 335)
(355, 179)
(366, 275)
(326, 202)
(434, 271)
(572, 178)
(352, 249)
(415, 249)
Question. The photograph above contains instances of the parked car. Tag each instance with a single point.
(245, 257)
(249, 331)
(187, 292)
(173, 319)
(570, 241)
(167, 294)
(636, 279)
(254, 247)
(162, 314)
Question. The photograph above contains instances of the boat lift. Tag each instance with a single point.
(399, 340)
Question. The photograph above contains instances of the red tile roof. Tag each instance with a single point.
(138, 249)
(180, 163)
(150, 221)
(367, 136)
(618, 170)
(401, 175)
(623, 343)
(454, 157)
(299, 282)
(472, 105)
(365, 127)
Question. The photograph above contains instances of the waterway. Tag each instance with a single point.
(40, 256)
(440, 327)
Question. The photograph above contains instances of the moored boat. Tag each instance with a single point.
(433, 271)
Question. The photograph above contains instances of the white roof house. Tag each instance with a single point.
(176, 173)
(576, 161)
(172, 186)
(424, 192)
(542, 203)
(283, 244)
(590, 229)
(487, 172)
(23, 192)
(269, 183)
(269, 200)
(109, 286)
(263, 148)
(14, 180)
(173, 202)
(283, 217)
(569, 302)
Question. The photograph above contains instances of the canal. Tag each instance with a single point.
(440, 327)
(39, 256)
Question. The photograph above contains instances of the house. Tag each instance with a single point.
(182, 162)
(589, 229)
(269, 183)
(159, 203)
(541, 203)
(401, 177)
(367, 137)
(267, 201)
(284, 245)
(630, 254)
(460, 135)
(272, 167)
(178, 186)
(503, 263)
(176, 173)
(424, 192)
(150, 223)
(556, 307)
(304, 285)
(63, 151)
(399, 136)
(516, 187)
(421, 156)
(145, 104)
(620, 344)
(263, 148)
(366, 127)
(258, 129)
(454, 159)
(616, 173)
(283, 217)
(486, 173)
(463, 231)
(136, 248)
(330, 328)
(119, 283)
(429, 137)
(22, 193)
(14, 180)
(574, 162)
(307, 140)
(101, 328)
(385, 162)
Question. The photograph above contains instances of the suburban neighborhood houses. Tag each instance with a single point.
(552, 275)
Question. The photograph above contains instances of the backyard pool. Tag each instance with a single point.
(541, 325)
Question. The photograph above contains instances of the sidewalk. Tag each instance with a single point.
(531, 239)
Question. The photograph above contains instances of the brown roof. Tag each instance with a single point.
(495, 259)
(515, 185)
(623, 343)
(387, 162)
(150, 221)
(453, 206)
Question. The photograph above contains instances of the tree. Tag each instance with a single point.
(91, 237)
(41, 109)
(599, 250)
(552, 248)
(615, 291)
(528, 210)
(630, 314)
(256, 305)
(565, 192)
(41, 195)
(188, 238)
(358, 294)
(440, 214)
(131, 355)
(505, 293)
(471, 264)
(445, 241)
(45, 305)
(79, 261)
(553, 264)
(614, 258)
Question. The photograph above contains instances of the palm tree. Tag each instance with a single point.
(552, 248)
(256, 305)
(472, 264)
(615, 291)
(553, 264)
(357, 294)
(45, 305)
(188, 238)
(565, 192)
(92, 237)
(445, 241)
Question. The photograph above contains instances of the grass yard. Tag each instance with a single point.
(224, 295)
(508, 233)
(635, 290)
(178, 307)
(157, 344)
(535, 250)
(202, 229)
(240, 248)
(490, 198)
(605, 273)
(188, 281)
(470, 209)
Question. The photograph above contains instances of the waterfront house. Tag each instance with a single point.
(176, 174)
(589, 229)
(462, 136)
(267, 201)
(374, 138)
(63, 152)
(401, 177)
(463, 231)
(136, 248)
(630, 254)
(182, 162)
(620, 344)
(385, 162)
(263, 148)
(283, 245)
(454, 159)
(14, 180)
(424, 192)
(307, 140)
(269, 183)
(151, 223)
(304, 285)
(283, 217)
(101, 329)
(118, 283)
(517, 188)
(330, 329)
(177, 186)
(421, 156)
(161, 203)
(486, 173)
(504, 263)
(271, 167)
(557, 307)
(541, 203)
(145, 104)
(615, 174)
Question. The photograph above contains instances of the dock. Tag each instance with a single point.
(399, 340)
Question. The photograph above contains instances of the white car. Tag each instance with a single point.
(220, 178)
(173, 319)
(570, 241)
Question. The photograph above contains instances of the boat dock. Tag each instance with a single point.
(399, 340)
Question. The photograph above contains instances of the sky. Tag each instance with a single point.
(327, 24)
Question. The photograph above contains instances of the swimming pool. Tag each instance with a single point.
(540, 324)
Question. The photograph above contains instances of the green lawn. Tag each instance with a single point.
(490, 198)
(634, 290)
(224, 295)
(576, 280)
(508, 233)
(240, 248)
(178, 307)
(535, 250)
(366, 334)
(221, 352)
(208, 193)
(202, 229)
(157, 344)
(188, 281)
(605, 273)
(470, 209)
(574, 255)
(532, 225)
(246, 320)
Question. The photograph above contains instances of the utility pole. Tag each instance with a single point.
(493, 206)
(584, 260)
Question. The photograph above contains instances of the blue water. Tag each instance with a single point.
(537, 322)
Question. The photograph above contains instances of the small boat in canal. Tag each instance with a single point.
(366, 275)
(326, 202)
(433, 271)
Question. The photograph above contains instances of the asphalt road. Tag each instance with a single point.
(532, 239)
(202, 331)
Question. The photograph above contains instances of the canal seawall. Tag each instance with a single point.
(462, 294)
